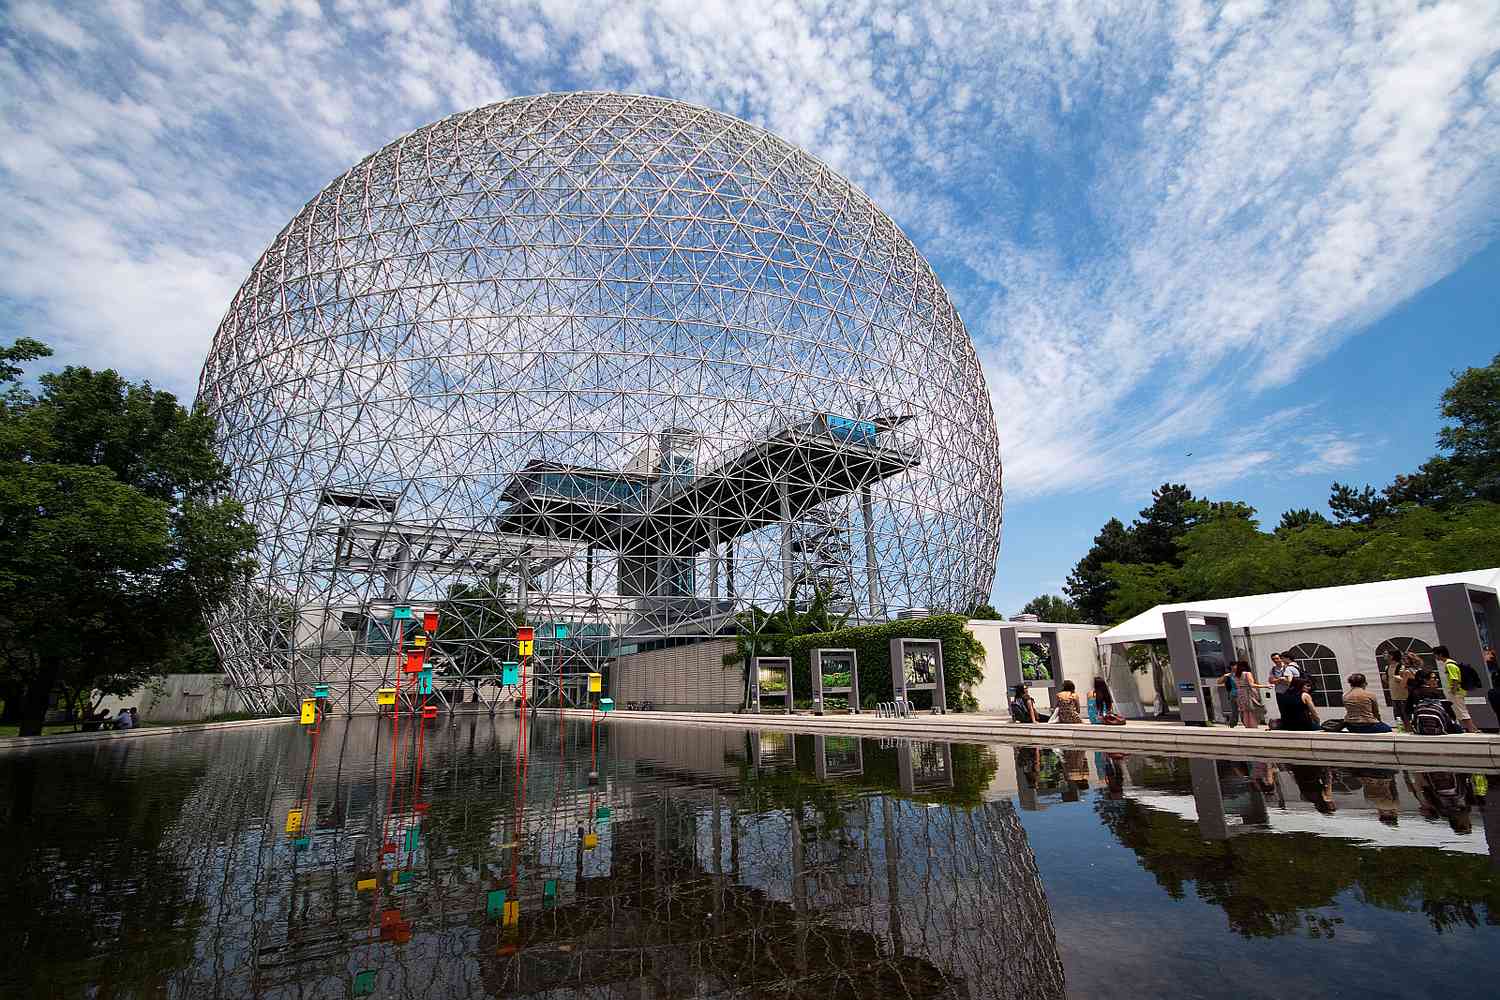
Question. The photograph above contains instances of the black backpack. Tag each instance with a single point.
(1430, 718)
(1450, 792)
(1469, 677)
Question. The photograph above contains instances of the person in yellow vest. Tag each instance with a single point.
(1453, 684)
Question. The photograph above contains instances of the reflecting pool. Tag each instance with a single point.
(460, 859)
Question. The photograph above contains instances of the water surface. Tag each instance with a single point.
(460, 860)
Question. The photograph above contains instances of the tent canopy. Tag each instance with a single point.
(1387, 601)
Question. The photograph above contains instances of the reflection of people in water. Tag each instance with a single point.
(1263, 777)
(1029, 765)
(1076, 768)
(1315, 785)
(1114, 776)
(1380, 792)
(1445, 794)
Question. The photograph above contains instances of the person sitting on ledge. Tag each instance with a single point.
(1427, 713)
(1298, 713)
(1361, 710)
(1023, 706)
(1067, 709)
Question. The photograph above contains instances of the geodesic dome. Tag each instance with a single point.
(610, 362)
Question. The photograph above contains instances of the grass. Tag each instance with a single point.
(63, 727)
(68, 727)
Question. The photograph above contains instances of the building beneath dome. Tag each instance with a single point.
(615, 367)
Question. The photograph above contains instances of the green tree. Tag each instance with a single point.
(1291, 520)
(477, 627)
(1227, 556)
(1052, 608)
(17, 354)
(1090, 585)
(759, 632)
(1139, 586)
(115, 534)
(1470, 469)
(1173, 510)
(985, 612)
(1351, 506)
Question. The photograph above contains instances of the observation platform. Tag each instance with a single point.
(778, 479)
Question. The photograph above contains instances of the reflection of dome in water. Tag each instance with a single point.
(619, 361)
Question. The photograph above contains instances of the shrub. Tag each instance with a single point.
(963, 656)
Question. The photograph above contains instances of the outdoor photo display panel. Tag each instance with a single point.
(835, 672)
(1037, 662)
(917, 665)
(773, 680)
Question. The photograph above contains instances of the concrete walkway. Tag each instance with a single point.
(1465, 752)
(69, 739)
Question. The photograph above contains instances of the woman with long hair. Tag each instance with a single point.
(1247, 694)
(1023, 706)
(1297, 709)
(1101, 700)
(1067, 709)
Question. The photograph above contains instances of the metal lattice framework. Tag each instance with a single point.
(611, 362)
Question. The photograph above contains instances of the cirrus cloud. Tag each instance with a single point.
(1144, 214)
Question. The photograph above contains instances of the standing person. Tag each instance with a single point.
(1362, 709)
(1282, 675)
(1395, 679)
(1493, 694)
(1247, 695)
(1068, 710)
(1229, 682)
(1283, 672)
(1297, 709)
(1453, 676)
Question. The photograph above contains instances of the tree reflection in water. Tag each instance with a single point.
(721, 866)
(1270, 883)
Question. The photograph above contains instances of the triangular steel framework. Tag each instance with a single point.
(610, 362)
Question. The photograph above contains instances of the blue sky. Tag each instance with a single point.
(1237, 245)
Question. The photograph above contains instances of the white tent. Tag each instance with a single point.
(1334, 631)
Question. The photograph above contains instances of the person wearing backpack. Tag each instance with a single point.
(1460, 678)
(1428, 714)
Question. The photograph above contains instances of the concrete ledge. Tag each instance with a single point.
(69, 739)
(1465, 752)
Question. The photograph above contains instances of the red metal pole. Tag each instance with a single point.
(400, 660)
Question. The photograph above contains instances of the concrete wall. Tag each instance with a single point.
(180, 698)
(694, 678)
(684, 678)
(1080, 663)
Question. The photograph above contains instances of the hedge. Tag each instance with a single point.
(963, 656)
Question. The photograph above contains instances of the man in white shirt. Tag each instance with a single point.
(1283, 671)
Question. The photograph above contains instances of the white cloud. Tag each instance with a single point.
(1147, 216)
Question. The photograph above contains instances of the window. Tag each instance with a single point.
(1321, 668)
(1400, 645)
